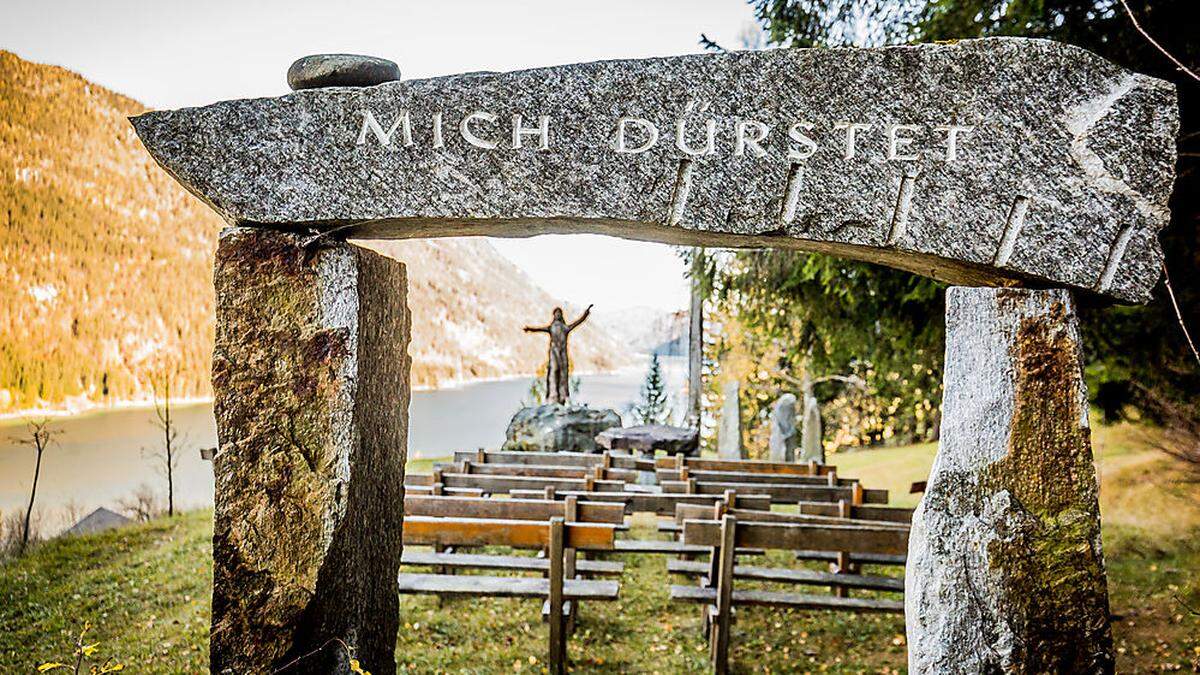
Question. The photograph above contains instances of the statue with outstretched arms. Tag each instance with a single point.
(558, 367)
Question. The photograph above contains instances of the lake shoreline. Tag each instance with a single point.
(70, 411)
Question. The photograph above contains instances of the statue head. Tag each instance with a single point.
(558, 314)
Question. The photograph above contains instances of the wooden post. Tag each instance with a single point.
(549, 492)
(558, 649)
(812, 468)
(570, 515)
(721, 626)
(481, 456)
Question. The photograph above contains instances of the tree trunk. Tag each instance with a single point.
(695, 341)
(37, 470)
(170, 457)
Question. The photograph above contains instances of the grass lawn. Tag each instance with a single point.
(146, 591)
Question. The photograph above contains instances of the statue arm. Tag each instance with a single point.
(537, 329)
(582, 317)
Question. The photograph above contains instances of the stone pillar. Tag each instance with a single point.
(811, 432)
(782, 441)
(729, 434)
(310, 374)
(1005, 570)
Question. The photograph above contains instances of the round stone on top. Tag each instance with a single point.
(340, 70)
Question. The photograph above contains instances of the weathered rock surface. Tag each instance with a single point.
(782, 441)
(1005, 570)
(811, 432)
(984, 162)
(310, 371)
(729, 434)
(340, 70)
(648, 438)
(554, 427)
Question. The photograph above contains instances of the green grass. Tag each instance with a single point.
(146, 590)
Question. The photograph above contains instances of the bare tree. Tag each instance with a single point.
(1180, 423)
(142, 504)
(40, 437)
(167, 456)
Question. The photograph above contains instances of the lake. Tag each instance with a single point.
(101, 457)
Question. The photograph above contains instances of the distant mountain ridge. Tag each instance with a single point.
(106, 266)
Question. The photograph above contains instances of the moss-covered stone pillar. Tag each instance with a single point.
(1005, 571)
(310, 373)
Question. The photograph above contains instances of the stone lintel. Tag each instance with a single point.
(991, 162)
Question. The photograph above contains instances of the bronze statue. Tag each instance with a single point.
(558, 367)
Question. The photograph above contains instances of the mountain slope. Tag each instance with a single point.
(106, 265)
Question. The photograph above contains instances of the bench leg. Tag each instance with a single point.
(557, 656)
(721, 623)
(844, 566)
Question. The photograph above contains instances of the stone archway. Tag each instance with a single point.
(990, 163)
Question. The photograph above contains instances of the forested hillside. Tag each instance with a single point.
(106, 265)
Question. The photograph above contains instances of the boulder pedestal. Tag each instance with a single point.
(1005, 571)
(310, 373)
(557, 427)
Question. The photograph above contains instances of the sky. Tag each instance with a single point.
(175, 53)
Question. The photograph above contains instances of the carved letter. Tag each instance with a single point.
(952, 132)
(852, 129)
(438, 141)
(796, 133)
(385, 137)
(896, 143)
(743, 140)
(469, 136)
(542, 130)
(710, 146)
(651, 138)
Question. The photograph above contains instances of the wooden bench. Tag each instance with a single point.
(540, 470)
(570, 510)
(894, 514)
(744, 466)
(557, 589)
(499, 484)
(684, 474)
(844, 576)
(782, 493)
(662, 504)
(718, 593)
(609, 459)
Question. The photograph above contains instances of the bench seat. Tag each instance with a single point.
(669, 547)
(793, 600)
(507, 587)
(794, 576)
(863, 558)
(506, 562)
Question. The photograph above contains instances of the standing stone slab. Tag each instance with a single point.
(1005, 570)
(782, 441)
(983, 162)
(811, 431)
(729, 434)
(310, 372)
